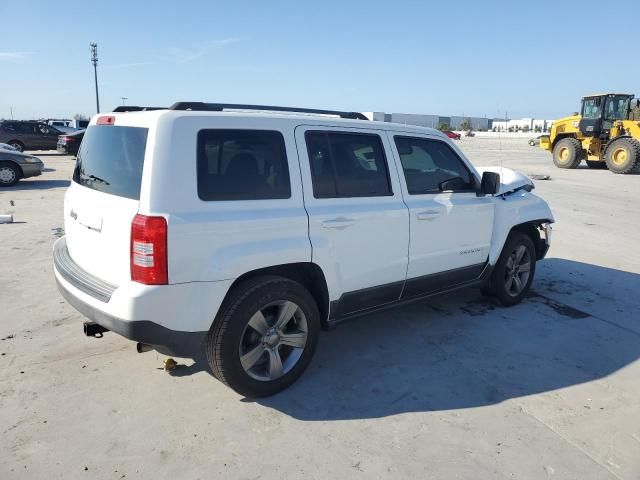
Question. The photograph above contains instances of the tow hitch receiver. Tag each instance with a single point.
(92, 329)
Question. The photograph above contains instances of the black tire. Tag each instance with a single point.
(497, 285)
(623, 155)
(596, 164)
(568, 153)
(10, 174)
(231, 327)
(17, 145)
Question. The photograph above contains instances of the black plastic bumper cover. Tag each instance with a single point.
(163, 339)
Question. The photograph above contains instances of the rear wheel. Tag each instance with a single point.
(264, 337)
(9, 174)
(623, 155)
(513, 273)
(17, 145)
(568, 153)
(596, 164)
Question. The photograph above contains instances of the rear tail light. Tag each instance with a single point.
(149, 250)
(110, 120)
(69, 139)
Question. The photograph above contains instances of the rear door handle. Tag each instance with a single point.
(338, 223)
(428, 215)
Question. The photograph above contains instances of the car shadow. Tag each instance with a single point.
(28, 184)
(463, 351)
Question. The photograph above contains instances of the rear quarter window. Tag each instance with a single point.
(110, 160)
(242, 165)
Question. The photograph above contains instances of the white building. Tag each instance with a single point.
(521, 125)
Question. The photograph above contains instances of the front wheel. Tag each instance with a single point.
(264, 337)
(568, 153)
(9, 174)
(513, 273)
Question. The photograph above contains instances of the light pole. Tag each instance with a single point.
(94, 61)
(123, 99)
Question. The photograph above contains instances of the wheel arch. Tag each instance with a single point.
(611, 140)
(15, 140)
(308, 274)
(562, 136)
(532, 229)
(15, 164)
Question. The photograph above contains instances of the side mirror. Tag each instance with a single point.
(490, 184)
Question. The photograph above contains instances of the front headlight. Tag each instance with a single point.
(31, 159)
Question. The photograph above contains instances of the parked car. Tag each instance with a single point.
(64, 126)
(239, 235)
(70, 143)
(453, 135)
(6, 146)
(29, 135)
(535, 141)
(16, 165)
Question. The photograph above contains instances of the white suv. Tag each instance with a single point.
(241, 233)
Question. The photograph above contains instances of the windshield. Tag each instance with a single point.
(110, 160)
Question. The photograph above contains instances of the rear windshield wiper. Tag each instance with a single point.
(94, 179)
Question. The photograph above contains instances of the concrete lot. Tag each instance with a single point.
(451, 388)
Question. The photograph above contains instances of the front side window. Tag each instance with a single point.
(242, 165)
(347, 165)
(431, 166)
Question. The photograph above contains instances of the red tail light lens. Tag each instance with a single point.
(110, 120)
(149, 250)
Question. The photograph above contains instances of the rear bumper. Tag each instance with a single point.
(163, 339)
(174, 319)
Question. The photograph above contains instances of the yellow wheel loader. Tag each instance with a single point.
(606, 134)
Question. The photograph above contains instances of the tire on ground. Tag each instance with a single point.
(226, 333)
(568, 153)
(623, 155)
(497, 285)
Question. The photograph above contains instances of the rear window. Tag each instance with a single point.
(242, 165)
(110, 160)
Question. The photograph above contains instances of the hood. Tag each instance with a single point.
(14, 154)
(510, 180)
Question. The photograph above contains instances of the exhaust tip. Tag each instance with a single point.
(143, 347)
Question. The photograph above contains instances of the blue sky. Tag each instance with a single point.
(473, 58)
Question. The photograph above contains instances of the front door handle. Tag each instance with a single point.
(428, 215)
(338, 223)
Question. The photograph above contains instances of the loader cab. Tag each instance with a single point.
(598, 113)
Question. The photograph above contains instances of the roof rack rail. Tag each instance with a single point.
(219, 107)
(133, 108)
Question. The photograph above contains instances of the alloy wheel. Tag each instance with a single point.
(273, 340)
(517, 270)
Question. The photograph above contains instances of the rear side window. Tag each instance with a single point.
(431, 166)
(110, 160)
(242, 165)
(347, 165)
